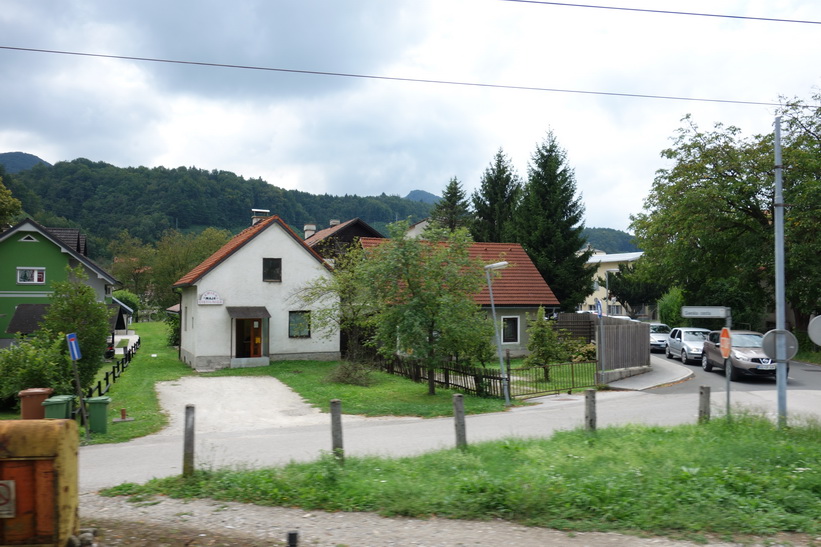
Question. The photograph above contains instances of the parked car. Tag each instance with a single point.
(747, 357)
(658, 336)
(686, 343)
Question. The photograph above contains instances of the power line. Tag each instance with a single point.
(393, 78)
(666, 12)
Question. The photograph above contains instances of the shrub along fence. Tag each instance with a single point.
(117, 369)
(488, 381)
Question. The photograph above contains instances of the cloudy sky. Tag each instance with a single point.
(307, 126)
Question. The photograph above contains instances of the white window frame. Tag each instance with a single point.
(518, 329)
(35, 271)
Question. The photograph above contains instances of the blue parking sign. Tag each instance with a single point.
(73, 347)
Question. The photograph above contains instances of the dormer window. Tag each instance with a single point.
(31, 276)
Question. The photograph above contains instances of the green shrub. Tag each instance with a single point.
(352, 373)
(35, 361)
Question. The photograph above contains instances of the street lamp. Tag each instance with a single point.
(505, 383)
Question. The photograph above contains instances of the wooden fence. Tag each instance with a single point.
(117, 369)
(488, 381)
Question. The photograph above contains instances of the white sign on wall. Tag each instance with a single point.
(210, 297)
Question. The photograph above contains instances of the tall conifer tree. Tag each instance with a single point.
(495, 201)
(451, 212)
(548, 222)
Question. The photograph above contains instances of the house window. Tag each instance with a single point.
(299, 324)
(510, 330)
(272, 269)
(31, 276)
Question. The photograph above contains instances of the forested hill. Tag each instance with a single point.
(103, 200)
(609, 240)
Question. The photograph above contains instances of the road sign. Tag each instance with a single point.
(771, 338)
(705, 311)
(726, 343)
(814, 330)
(598, 307)
(73, 347)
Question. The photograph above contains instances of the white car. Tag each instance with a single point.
(658, 336)
(686, 343)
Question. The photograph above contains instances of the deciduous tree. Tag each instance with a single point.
(423, 297)
(73, 308)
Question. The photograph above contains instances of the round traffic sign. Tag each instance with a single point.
(814, 330)
(725, 342)
(771, 338)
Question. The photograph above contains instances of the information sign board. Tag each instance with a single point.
(705, 311)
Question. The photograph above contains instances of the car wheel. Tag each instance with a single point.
(667, 352)
(684, 356)
(706, 364)
(731, 371)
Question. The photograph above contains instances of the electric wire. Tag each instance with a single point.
(668, 12)
(394, 78)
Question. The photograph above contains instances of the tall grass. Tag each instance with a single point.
(742, 477)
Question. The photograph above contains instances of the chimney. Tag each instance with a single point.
(309, 229)
(259, 214)
(334, 222)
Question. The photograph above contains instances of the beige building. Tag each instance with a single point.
(606, 266)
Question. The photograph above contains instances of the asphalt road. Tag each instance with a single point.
(803, 376)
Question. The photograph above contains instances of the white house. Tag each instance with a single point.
(236, 307)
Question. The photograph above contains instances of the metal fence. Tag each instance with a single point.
(488, 381)
(112, 375)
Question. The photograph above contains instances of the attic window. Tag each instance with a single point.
(31, 276)
(272, 269)
(28, 239)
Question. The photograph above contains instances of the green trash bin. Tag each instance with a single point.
(59, 406)
(97, 408)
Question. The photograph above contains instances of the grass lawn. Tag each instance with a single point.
(134, 391)
(388, 395)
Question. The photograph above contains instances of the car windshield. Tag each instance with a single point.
(694, 336)
(747, 340)
(659, 328)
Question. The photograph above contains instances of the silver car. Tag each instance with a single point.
(658, 336)
(686, 343)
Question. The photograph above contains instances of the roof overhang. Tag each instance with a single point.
(248, 312)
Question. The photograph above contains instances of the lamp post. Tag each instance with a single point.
(505, 383)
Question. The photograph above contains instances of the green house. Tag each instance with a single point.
(32, 258)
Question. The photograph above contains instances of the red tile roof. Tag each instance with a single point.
(237, 242)
(321, 235)
(520, 284)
